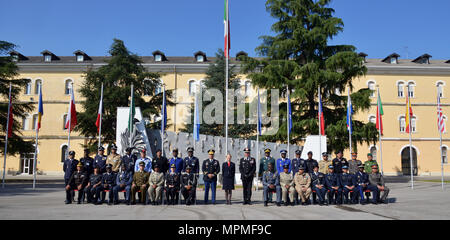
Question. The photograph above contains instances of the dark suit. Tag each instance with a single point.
(228, 173)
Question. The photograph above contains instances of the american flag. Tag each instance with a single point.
(440, 120)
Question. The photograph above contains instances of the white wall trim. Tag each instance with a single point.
(405, 146)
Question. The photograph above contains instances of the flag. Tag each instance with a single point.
(41, 110)
(321, 118)
(99, 113)
(349, 113)
(10, 116)
(226, 22)
(259, 115)
(379, 124)
(408, 114)
(71, 120)
(164, 112)
(132, 112)
(440, 120)
(196, 132)
(290, 113)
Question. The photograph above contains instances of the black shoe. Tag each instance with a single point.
(292, 204)
(128, 203)
(278, 204)
(133, 203)
(374, 202)
(116, 203)
(362, 202)
(385, 201)
(265, 204)
(249, 202)
(79, 202)
(67, 202)
(285, 204)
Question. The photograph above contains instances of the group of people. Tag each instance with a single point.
(332, 182)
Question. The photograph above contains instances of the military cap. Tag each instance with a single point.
(173, 165)
(113, 146)
(298, 152)
(345, 167)
(369, 154)
(72, 153)
(142, 164)
(156, 165)
(246, 149)
(360, 165)
(310, 152)
(267, 150)
(128, 149)
(283, 151)
(86, 150)
(354, 153)
(109, 165)
(211, 151)
(331, 166)
(324, 154)
(101, 148)
(285, 166)
(301, 168)
(374, 165)
(144, 150)
(190, 149)
(175, 150)
(80, 164)
(188, 167)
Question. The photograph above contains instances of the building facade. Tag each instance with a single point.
(424, 77)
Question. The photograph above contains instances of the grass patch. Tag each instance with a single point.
(435, 181)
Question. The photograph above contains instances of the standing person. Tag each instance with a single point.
(228, 172)
(140, 181)
(188, 185)
(114, 159)
(100, 160)
(338, 162)
(295, 164)
(348, 183)
(302, 182)
(283, 161)
(247, 168)
(161, 161)
(376, 179)
(177, 161)
(318, 185)
(191, 160)
(147, 161)
(210, 169)
(69, 167)
(94, 186)
(172, 185)
(354, 163)
(368, 164)
(123, 182)
(77, 181)
(333, 184)
(323, 165)
(362, 184)
(156, 185)
(310, 163)
(287, 185)
(263, 166)
(129, 160)
(271, 183)
(88, 162)
(108, 183)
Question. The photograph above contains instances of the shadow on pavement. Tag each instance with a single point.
(15, 189)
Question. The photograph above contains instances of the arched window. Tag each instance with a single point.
(444, 154)
(373, 151)
(64, 153)
(373, 119)
(37, 86)
(440, 86)
(28, 88)
(192, 87)
(411, 89)
(67, 86)
(400, 87)
(371, 86)
(402, 124)
(64, 121)
(25, 123)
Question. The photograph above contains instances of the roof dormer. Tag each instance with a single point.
(424, 59)
(49, 56)
(392, 59)
(200, 56)
(447, 61)
(159, 56)
(81, 56)
(241, 53)
(17, 56)
(363, 55)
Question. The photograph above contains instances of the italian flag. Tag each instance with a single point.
(72, 118)
(99, 113)
(380, 113)
(226, 22)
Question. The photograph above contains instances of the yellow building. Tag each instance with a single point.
(391, 75)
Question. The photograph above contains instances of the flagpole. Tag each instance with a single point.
(440, 139)
(227, 53)
(36, 145)
(6, 137)
(163, 120)
(130, 117)
(410, 142)
(257, 137)
(101, 115)
(350, 122)
(320, 123)
(288, 122)
(379, 132)
(69, 115)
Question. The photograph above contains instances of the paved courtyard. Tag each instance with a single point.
(426, 201)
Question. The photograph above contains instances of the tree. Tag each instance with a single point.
(215, 79)
(9, 74)
(122, 70)
(299, 56)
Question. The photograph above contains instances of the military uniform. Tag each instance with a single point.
(353, 166)
(247, 168)
(368, 165)
(283, 161)
(162, 162)
(156, 178)
(188, 179)
(108, 183)
(178, 164)
(301, 182)
(318, 180)
(193, 162)
(333, 180)
(310, 164)
(115, 161)
(338, 163)
(94, 187)
(123, 178)
(323, 166)
(129, 161)
(348, 180)
(210, 166)
(69, 167)
(100, 162)
(88, 165)
(172, 187)
(376, 179)
(287, 179)
(140, 178)
(296, 163)
(264, 165)
(362, 184)
(271, 178)
(148, 164)
(78, 178)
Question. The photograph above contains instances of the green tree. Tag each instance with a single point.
(299, 56)
(123, 69)
(9, 74)
(215, 79)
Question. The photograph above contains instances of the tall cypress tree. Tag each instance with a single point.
(123, 69)
(299, 56)
(9, 74)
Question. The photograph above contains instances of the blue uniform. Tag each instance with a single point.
(310, 163)
(108, 183)
(178, 164)
(69, 167)
(333, 180)
(148, 164)
(125, 178)
(349, 180)
(281, 162)
(100, 161)
(193, 162)
(318, 178)
(363, 178)
(271, 178)
(296, 163)
(129, 162)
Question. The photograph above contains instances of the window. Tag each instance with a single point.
(35, 120)
(400, 87)
(68, 85)
(37, 86)
(80, 58)
(47, 58)
(413, 124)
(64, 121)
(25, 123)
(192, 87)
(248, 88)
(411, 90)
(373, 119)
(200, 58)
(15, 58)
(371, 86)
(373, 151)
(147, 87)
(440, 87)
(158, 58)
(393, 60)
(64, 153)
(402, 124)
(445, 123)
(444, 154)
(28, 88)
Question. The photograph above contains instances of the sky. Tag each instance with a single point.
(180, 27)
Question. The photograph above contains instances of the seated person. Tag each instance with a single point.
(333, 185)
(108, 183)
(172, 185)
(302, 182)
(78, 181)
(156, 185)
(376, 179)
(318, 184)
(123, 182)
(188, 185)
(271, 183)
(348, 183)
(140, 181)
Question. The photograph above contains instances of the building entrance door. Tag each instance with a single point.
(406, 168)
(26, 163)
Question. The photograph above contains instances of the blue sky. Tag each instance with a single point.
(181, 27)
